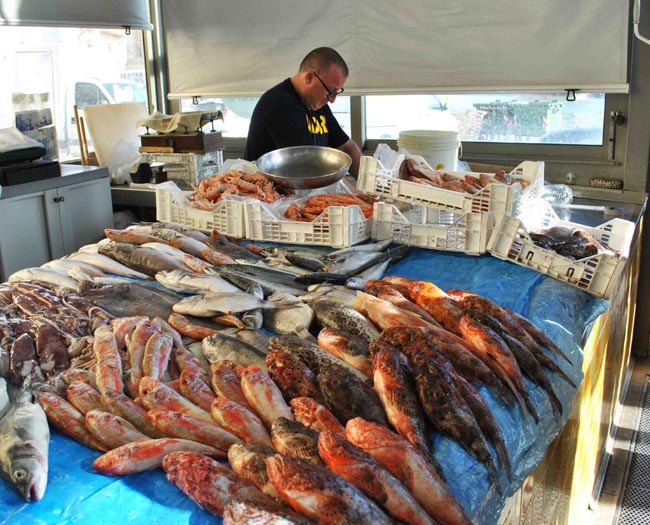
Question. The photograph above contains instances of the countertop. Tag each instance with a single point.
(70, 174)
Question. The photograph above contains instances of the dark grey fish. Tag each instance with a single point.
(131, 299)
(219, 346)
(344, 319)
(292, 438)
(244, 280)
(220, 243)
(140, 258)
(322, 277)
(309, 263)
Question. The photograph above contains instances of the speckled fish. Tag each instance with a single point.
(83, 397)
(364, 472)
(157, 395)
(315, 416)
(447, 409)
(295, 320)
(293, 377)
(108, 264)
(123, 406)
(220, 346)
(24, 442)
(248, 460)
(182, 426)
(348, 397)
(207, 482)
(143, 259)
(385, 314)
(225, 382)
(194, 388)
(310, 354)
(183, 281)
(443, 308)
(352, 350)
(339, 317)
(240, 421)
(401, 459)
(246, 512)
(294, 439)
(68, 420)
(111, 429)
(264, 395)
(318, 493)
(209, 305)
(148, 454)
(388, 292)
(397, 394)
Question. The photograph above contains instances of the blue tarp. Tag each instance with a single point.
(76, 494)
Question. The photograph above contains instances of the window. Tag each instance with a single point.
(237, 112)
(47, 71)
(507, 117)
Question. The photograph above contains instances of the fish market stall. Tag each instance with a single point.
(579, 323)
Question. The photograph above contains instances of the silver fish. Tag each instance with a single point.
(359, 281)
(244, 280)
(354, 263)
(255, 338)
(254, 318)
(107, 264)
(379, 246)
(143, 259)
(221, 346)
(24, 442)
(208, 305)
(295, 320)
(43, 274)
(184, 281)
(344, 319)
(331, 292)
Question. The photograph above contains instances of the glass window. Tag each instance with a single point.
(237, 112)
(506, 117)
(47, 71)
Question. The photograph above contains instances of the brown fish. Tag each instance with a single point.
(248, 460)
(364, 472)
(315, 416)
(294, 439)
(388, 292)
(385, 314)
(319, 494)
(292, 376)
(352, 350)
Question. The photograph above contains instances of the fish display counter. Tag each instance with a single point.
(550, 457)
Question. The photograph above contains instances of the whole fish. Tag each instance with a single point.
(397, 394)
(240, 421)
(319, 494)
(352, 350)
(349, 397)
(254, 318)
(312, 355)
(123, 406)
(356, 262)
(401, 459)
(83, 397)
(68, 264)
(107, 264)
(225, 383)
(378, 246)
(364, 472)
(241, 511)
(360, 280)
(136, 346)
(185, 327)
(336, 293)
(184, 281)
(179, 425)
(207, 482)
(345, 319)
(315, 416)
(243, 280)
(308, 263)
(443, 308)
(147, 454)
(123, 327)
(295, 320)
(264, 395)
(390, 293)
(157, 395)
(194, 388)
(108, 367)
(111, 429)
(220, 243)
(294, 439)
(157, 353)
(220, 346)
(43, 274)
(185, 230)
(191, 245)
(24, 442)
(292, 376)
(282, 251)
(322, 277)
(144, 259)
(248, 460)
(208, 305)
(385, 314)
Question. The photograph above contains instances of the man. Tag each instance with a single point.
(296, 113)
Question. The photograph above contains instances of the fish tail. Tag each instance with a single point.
(555, 401)
(557, 370)
(502, 453)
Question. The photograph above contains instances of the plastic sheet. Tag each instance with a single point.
(77, 494)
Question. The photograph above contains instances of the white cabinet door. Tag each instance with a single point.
(25, 232)
(85, 209)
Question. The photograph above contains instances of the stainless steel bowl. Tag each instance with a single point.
(304, 167)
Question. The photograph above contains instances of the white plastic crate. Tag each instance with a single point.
(497, 197)
(187, 168)
(337, 226)
(227, 217)
(431, 228)
(596, 274)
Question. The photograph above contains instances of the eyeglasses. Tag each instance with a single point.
(330, 93)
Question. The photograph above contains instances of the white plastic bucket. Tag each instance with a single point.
(439, 148)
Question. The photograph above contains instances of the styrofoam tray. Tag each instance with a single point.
(596, 274)
(227, 218)
(497, 197)
(432, 228)
(337, 226)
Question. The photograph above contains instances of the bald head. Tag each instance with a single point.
(322, 59)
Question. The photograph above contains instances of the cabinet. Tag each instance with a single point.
(41, 224)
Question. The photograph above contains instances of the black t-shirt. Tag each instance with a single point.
(281, 119)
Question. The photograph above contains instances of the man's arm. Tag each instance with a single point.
(351, 148)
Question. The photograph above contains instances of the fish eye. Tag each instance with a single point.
(19, 474)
